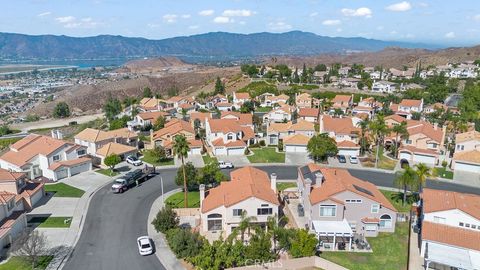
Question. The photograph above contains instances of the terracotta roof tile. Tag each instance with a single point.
(242, 118)
(342, 125)
(95, 135)
(410, 103)
(308, 112)
(152, 116)
(450, 235)
(468, 156)
(347, 144)
(467, 136)
(297, 139)
(413, 149)
(441, 200)
(69, 163)
(173, 128)
(115, 148)
(242, 95)
(8, 176)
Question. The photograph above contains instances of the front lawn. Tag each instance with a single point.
(383, 162)
(442, 172)
(64, 190)
(284, 185)
(207, 159)
(176, 200)
(52, 222)
(266, 155)
(389, 252)
(107, 172)
(396, 199)
(263, 109)
(150, 159)
(19, 263)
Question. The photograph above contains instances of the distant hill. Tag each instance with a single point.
(196, 48)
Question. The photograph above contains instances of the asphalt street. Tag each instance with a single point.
(114, 221)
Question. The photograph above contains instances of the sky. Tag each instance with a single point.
(441, 22)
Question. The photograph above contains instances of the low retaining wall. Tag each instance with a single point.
(289, 264)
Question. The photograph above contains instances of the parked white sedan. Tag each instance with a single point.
(134, 161)
(225, 165)
(353, 160)
(144, 245)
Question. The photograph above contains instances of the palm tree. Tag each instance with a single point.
(363, 125)
(379, 129)
(274, 228)
(180, 148)
(401, 133)
(245, 224)
(422, 171)
(404, 180)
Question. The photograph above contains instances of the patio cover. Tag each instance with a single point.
(452, 256)
(339, 228)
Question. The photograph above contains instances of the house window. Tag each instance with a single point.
(385, 221)
(370, 227)
(10, 205)
(56, 158)
(467, 225)
(353, 201)
(214, 222)
(237, 212)
(460, 224)
(264, 211)
(474, 226)
(439, 220)
(460, 147)
(375, 208)
(408, 141)
(328, 210)
(229, 137)
(81, 152)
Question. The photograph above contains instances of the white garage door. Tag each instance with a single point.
(405, 155)
(295, 149)
(423, 159)
(220, 151)
(63, 173)
(236, 151)
(349, 152)
(467, 167)
(79, 168)
(196, 151)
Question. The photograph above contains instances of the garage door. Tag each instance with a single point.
(79, 168)
(349, 152)
(220, 151)
(235, 151)
(423, 159)
(295, 149)
(63, 173)
(405, 155)
(467, 167)
(196, 151)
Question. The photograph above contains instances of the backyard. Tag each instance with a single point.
(389, 252)
(176, 200)
(266, 155)
(150, 159)
(64, 190)
(396, 199)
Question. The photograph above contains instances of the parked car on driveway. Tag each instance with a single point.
(353, 160)
(134, 161)
(225, 165)
(342, 159)
(144, 245)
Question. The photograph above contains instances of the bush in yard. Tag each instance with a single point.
(321, 147)
(191, 173)
(246, 151)
(165, 220)
(262, 143)
(158, 153)
(112, 160)
(444, 164)
(280, 146)
(185, 243)
(303, 245)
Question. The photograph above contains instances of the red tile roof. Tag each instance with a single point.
(450, 235)
(442, 200)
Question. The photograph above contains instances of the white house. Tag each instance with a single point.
(384, 87)
(280, 114)
(227, 137)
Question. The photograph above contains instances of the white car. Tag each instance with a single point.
(225, 165)
(353, 160)
(144, 245)
(134, 161)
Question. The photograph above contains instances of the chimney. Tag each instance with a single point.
(202, 194)
(318, 179)
(273, 182)
(59, 134)
(308, 187)
(54, 133)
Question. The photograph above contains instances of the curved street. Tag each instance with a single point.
(114, 221)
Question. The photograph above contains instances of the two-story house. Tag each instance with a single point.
(344, 131)
(228, 137)
(279, 114)
(28, 193)
(450, 230)
(240, 98)
(467, 152)
(243, 119)
(338, 205)
(409, 106)
(342, 102)
(303, 100)
(166, 136)
(43, 156)
(278, 131)
(249, 193)
(384, 87)
(197, 119)
(144, 120)
(309, 114)
(13, 220)
(212, 101)
(153, 105)
(272, 100)
(368, 107)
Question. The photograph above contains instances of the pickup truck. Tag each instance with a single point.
(225, 165)
(122, 183)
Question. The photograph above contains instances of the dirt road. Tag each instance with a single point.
(51, 123)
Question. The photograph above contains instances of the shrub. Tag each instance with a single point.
(184, 243)
(246, 151)
(280, 146)
(303, 245)
(165, 220)
(262, 143)
(444, 164)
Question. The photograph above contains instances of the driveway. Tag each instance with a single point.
(297, 158)
(236, 160)
(87, 180)
(466, 178)
(197, 161)
(333, 161)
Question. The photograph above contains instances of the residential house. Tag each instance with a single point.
(279, 114)
(249, 193)
(198, 118)
(349, 82)
(146, 119)
(212, 101)
(450, 230)
(410, 86)
(153, 105)
(384, 87)
(467, 152)
(434, 107)
(177, 101)
(407, 107)
(296, 143)
(342, 102)
(344, 131)
(224, 106)
(319, 76)
(366, 107)
(309, 114)
(43, 156)
(278, 131)
(240, 98)
(27, 193)
(166, 136)
(13, 220)
(303, 100)
(243, 119)
(338, 205)
(271, 101)
(228, 137)
(402, 74)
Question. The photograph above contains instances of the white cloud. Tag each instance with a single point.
(477, 17)
(450, 35)
(222, 19)
(193, 27)
(279, 26)
(66, 19)
(331, 22)
(237, 13)
(313, 14)
(409, 36)
(43, 14)
(186, 16)
(207, 12)
(170, 18)
(359, 12)
(402, 6)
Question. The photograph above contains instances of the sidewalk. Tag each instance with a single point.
(163, 252)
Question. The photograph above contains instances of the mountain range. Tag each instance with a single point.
(212, 46)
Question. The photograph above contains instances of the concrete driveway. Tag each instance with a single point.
(236, 160)
(333, 161)
(466, 178)
(297, 158)
(197, 161)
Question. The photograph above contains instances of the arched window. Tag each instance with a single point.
(214, 216)
(385, 221)
(214, 222)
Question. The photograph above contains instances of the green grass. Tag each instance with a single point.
(207, 159)
(107, 172)
(19, 263)
(148, 158)
(266, 155)
(442, 172)
(263, 109)
(396, 199)
(383, 162)
(52, 222)
(389, 252)
(64, 190)
(284, 185)
(176, 200)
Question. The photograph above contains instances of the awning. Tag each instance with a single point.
(452, 256)
(330, 228)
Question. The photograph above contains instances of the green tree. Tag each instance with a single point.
(304, 244)
(158, 154)
(159, 123)
(112, 108)
(147, 92)
(275, 229)
(111, 161)
(180, 149)
(259, 246)
(379, 129)
(245, 225)
(405, 179)
(5, 130)
(321, 147)
(423, 172)
(119, 123)
(61, 110)
(211, 173)
(320, 67)
(165, 220)
(190, 179)
(247, 107)
(219, 87)
(184, 243)
(401, 133)
(363, 125)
